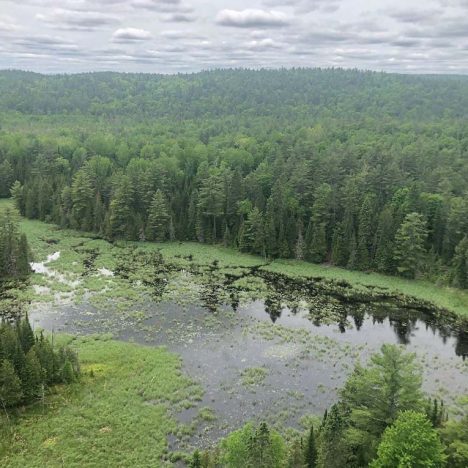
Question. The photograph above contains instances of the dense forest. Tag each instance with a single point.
(29, 364)
(362, 170)
(14, 249)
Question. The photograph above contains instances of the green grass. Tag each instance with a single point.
(38, 233)
(120, 416)
(452, 299)
(254, 376)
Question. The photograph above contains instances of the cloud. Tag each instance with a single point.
(7, 25)
(131, 35)
(78, 20)
(179, 18)
(416, 16)
(162, 5)
(263, 44)
(252, 18)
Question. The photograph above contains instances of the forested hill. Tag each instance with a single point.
(363, 170)
(291, 94)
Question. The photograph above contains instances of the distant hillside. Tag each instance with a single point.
(291, 94)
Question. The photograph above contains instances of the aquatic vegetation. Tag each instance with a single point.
(254, 376)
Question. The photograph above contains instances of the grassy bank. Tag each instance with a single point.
(120, 414)
(42, 238)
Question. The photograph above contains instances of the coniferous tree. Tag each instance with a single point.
(121, 219)
(365, 234)
(33, 378)
(460, 264)
(311, 450)
(320, 217)
(82, 196)
(410, 245)
(158, 218)
(10, 385)
(196, 460)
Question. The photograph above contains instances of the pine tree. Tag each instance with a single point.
(384, 242)
(365, 234)
(460, 264)
(410, 245)
(196, 460)
(22, 263)
(68, 375)
(6, 178)
(158, 218)
(10, 385)
(299, 250)
(82, 196)
(340, 250)
(120, 219)
(319, 220)
(32, 378)
(311, 450)
(26, 335)
(17, 195)
(211, 199)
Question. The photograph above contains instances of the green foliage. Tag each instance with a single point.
(253, 447)
(311, 450)
(410, 242)
(122, 416)
(454, 435)
(10, 385)
(14, 249)
(158, 218)
(376, 394)
(410, 442)
(29, 364)
(302, 164)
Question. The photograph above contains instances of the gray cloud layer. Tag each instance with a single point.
(187, 35)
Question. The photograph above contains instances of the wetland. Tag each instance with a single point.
(258, 344)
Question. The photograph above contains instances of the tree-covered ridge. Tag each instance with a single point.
(29, 364)
(287, 94)
(371, 176)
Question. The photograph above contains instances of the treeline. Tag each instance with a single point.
(29, 364)
(361, 192)
(284, 94)
(14, 249)
(382, 420)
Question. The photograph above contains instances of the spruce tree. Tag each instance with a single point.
(82, 196)
(311, 450)
(33, 377)
(410, 245)
(10, 385)
(121, 215)
(26, 335)
(365, 234)
(460, 264)
(158, 218)
(22, 263)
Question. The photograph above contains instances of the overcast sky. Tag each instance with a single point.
(166, 36)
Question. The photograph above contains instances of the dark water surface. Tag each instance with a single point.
(306, 362)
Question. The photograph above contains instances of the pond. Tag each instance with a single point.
(275, 352)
